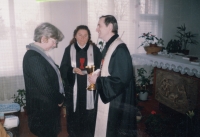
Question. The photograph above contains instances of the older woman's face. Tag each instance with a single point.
(52, 43)
(82, 37)
(48, 43)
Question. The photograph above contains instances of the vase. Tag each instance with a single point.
(143, 96)
(185, 52)
(153, 45)
(152, 49)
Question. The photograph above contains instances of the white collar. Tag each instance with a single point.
(81, 46)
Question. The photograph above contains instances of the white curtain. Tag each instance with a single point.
(18, 19)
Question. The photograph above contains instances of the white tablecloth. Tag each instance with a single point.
(174, 62)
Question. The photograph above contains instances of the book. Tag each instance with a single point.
(196, 62)
(190, 58)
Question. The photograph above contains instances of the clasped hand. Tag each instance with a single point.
(92, 78)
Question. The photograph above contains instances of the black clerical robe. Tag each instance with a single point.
(80, 123)
(118, 90)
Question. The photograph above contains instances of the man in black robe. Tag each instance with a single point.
(116, 115)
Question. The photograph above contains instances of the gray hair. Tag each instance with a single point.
(49, 31)
(111, 19)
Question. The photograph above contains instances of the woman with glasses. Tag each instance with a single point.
(43, 83)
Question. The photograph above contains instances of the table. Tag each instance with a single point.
(173, 62)
(176, 80)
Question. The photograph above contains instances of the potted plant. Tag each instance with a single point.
(156, 125)
(185, 38)
(173, 46)
(20, 98)
(151, 43)
(142, 83)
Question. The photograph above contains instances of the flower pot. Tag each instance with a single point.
(25, 110)
(138, 116)
(143, 96)
(153, 45)
(152, 49)
(186, 52)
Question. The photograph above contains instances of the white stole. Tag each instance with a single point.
(90, 61)
(103, 109)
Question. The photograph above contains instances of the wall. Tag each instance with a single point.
(179, 12)
(67, 15)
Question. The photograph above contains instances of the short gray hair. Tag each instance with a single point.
(47, 30)
(111, 19)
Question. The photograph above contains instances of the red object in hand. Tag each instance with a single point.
(82, 60)
(153, 112)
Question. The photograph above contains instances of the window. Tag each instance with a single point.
(118, 8)
(150, 17)
(149, 7)
(18, 20)
(134, 18)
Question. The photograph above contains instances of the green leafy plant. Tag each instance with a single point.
(185, 37)
(190, 122)
(20, 97)
(173, 46)
(190, 114)
(142, 80)
(155, 124)
(151, 39)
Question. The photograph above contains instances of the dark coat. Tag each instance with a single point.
(80, 123)
(68, 76)
(118, 89)
(42, 95)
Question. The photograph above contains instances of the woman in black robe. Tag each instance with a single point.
(81, 110)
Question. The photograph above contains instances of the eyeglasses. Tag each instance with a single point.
(55, 41)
